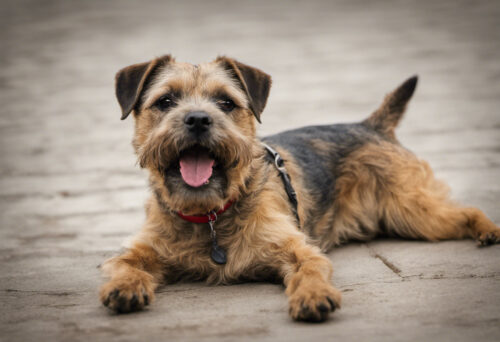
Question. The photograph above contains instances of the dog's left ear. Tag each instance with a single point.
(254, 82)
(133, 80)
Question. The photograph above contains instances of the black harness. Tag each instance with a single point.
(279, 163)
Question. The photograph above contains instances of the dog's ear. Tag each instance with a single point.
(133, 80)
(254, 82)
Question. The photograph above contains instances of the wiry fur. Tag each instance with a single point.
(352, 181)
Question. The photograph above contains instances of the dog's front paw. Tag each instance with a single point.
(128, 293)
(488, 238)
(313, 303)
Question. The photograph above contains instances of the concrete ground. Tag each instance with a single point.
(70, 191)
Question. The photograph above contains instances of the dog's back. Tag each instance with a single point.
(321, 151)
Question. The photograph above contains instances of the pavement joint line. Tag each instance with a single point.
(398, 271)
(45, 293)
(68, 193)
(421, 277)
(20, 174)
(90, 213)
(384, 260)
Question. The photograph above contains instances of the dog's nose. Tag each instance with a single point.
(198, 122)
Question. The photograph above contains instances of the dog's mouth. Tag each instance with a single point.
(196, 165)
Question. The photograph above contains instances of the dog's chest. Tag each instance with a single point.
(192, 258)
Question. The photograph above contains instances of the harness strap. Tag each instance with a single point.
(279, 163)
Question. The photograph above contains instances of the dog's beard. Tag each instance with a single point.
(197, 172)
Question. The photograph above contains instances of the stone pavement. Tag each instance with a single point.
(70, 191)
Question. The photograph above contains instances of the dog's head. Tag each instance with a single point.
(195, 127)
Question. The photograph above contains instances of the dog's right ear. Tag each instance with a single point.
(132, 81)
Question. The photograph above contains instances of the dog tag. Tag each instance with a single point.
(218, 255)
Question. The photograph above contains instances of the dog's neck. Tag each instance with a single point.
(207, 217)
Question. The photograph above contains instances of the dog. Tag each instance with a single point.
(228, 207)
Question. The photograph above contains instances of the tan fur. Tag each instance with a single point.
(378, 184)
(383, 183)
(258, 232)
(134, 275)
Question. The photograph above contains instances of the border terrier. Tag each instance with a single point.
(227, 206)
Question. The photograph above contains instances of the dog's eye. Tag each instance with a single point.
(164, 102)
(226, 105)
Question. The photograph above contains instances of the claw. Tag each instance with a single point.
(134, 303)
(333, 306)
(122, 304)
(323, 308)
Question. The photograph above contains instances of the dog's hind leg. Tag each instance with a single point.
(384, 188)
(417, 205)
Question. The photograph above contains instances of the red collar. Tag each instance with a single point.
(210, 217)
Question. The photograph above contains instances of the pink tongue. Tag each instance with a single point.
(196, 168)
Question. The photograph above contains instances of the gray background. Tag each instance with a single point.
(70, 192)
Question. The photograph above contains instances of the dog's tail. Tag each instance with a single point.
(385, 119)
